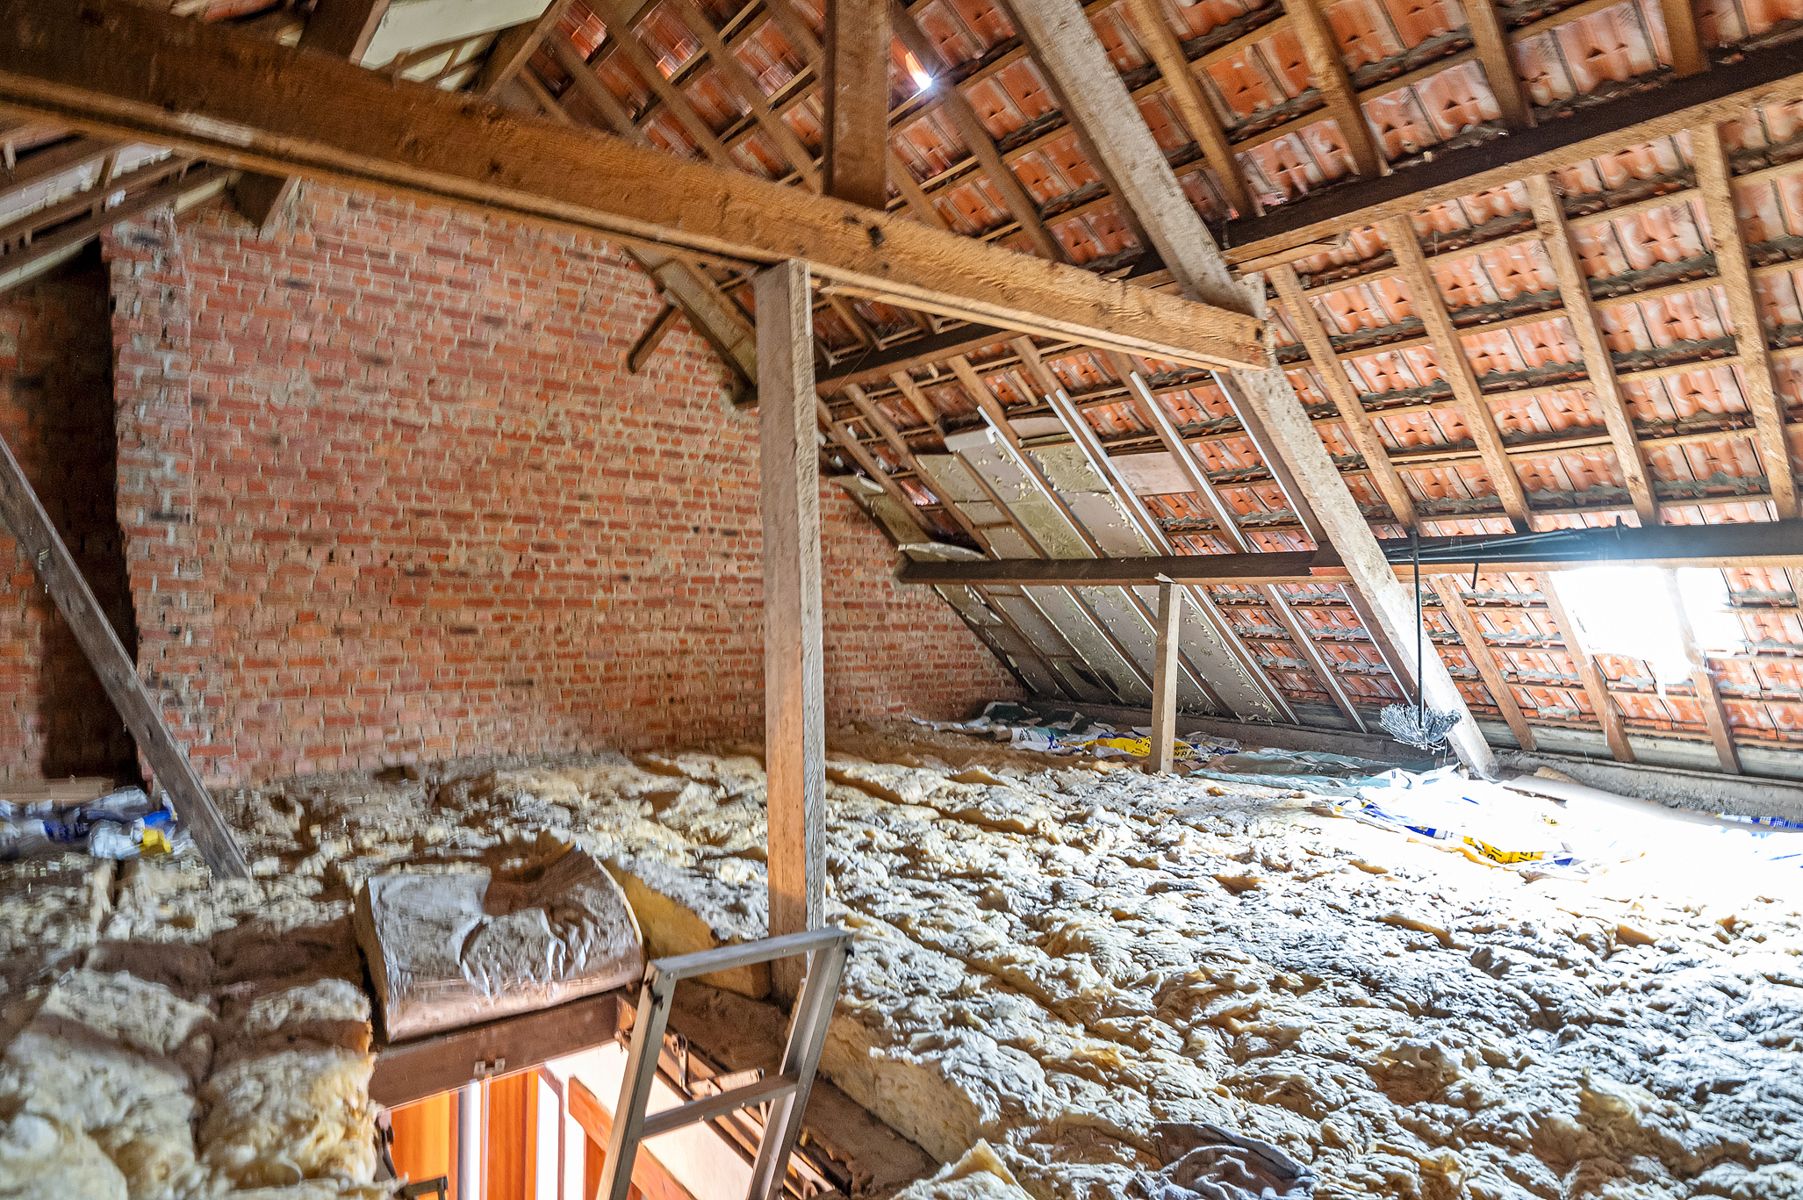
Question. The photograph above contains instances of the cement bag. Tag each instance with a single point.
(446, 951)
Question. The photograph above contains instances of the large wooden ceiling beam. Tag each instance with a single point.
(1758, 78)
(239, 100)
(1066, 47)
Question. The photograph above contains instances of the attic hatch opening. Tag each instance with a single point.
(540, 1134)
(1635, 612)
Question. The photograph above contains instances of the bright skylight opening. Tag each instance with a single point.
(1630, 612)
(923, 78)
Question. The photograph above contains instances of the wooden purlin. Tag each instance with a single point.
(1599, 366)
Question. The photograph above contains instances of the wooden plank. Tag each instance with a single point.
(440, 1062)
(1191, 101)
(794, 696)
(1760, 77)
(1716, 188)
(1164, 679)
(241, 101)
(856, 91)
(646, 344)
(1455, 367)
(56, 570)
(1599, 364)
(1596, 686)
(1459, 616)
(1484, 21)
(1702, 680)
(1327, 70)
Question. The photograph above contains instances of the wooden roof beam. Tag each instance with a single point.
(242, 101)
(1327, 68)
(856, 90)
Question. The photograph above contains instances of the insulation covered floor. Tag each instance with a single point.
(1078, 965)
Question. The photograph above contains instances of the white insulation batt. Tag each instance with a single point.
(1070, 980)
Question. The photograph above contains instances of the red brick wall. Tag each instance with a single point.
(56, 414)
(388, 495)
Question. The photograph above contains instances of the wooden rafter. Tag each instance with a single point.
(1596, 684)
(209, 90)
(1702, 681)
(1599, 365)
(1359, 426)
(1716, 186)
(977, 139)
(1191, 101)
(514, 48)
(1459, 616)
(1455, 367)
(1688, 57)
(1491, 41)
(748, 91)
(1327, 69)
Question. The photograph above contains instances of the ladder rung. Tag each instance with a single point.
(707, 1107)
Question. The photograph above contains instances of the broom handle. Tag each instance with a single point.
(1420, 635)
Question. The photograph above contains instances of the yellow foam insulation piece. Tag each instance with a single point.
(979, 1175)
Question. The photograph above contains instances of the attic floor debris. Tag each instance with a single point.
(1079, 965)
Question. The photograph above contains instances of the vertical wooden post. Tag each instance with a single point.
(99, 642)
(1164, 678)
(794, 699)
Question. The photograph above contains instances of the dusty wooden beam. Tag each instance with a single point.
(794, 691)
(1599, 365)
(646, 344)
(856, 91)
(1164, 679)
(1688, 56)
(1760, 77)
(1716, 186)
(57, 571)
(237, 99)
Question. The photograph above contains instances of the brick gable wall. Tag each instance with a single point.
(56, 413)
(388, 494)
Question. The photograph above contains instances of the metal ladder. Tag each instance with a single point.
(786, 1091)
